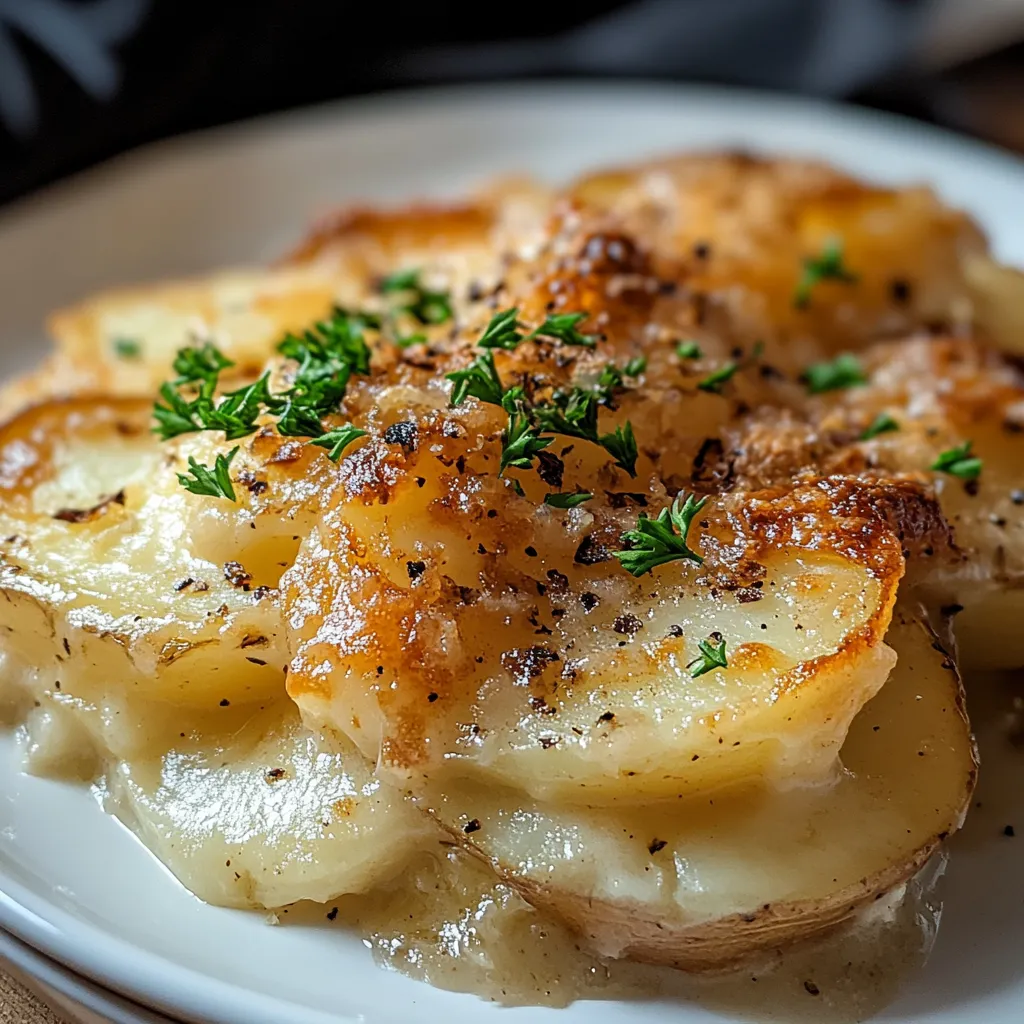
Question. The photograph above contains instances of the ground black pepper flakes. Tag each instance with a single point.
(472, 826)
(627, 625)
(415, 569)
(812, 989)
(900, 291)
(591, 552)
(589, 601)
(551, 469)
(655, 845)
(404, 433)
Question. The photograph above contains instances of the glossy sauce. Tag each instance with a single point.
(451, 925)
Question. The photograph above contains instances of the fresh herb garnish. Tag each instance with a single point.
(714, 381)
(505, 331)
(562, 327)
(845, 371)
(520, 442)
(657, 541)
(712, 656)
(478, 380)
(568, 499)
(620, 444)
(327, 354)
(126, 348)
(688, 350)
(826, 267)
(502, 332)
(199, 363)
(425, 304)
(216, 482)
(337, 440)
(571, 412)
(959, 462)
(883, 423)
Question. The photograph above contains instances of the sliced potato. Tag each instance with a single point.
(443, 639)
(744, 227)
(702, 883)
(260, 817)
(122, 590)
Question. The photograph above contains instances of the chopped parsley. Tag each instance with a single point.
(562, 327)
(424, 304)
(845, 371)
(216, 482)
(959, 462)
(502, 331)
(505, 331)
(571, 412)
(689, 350)
(713, 382)
(567, 500)
(883, 423)
(712, 656)
(657, 541)
(199, 363)
(520, 442)
(327, 355)
(478, 380)
(828, 266)
(337, 440)
(126, 348)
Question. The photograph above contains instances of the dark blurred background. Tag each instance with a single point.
(81, 80)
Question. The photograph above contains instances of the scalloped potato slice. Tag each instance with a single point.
(943, 393)
(744, 226)
(259, 816)
(124, 592)
(445, 640)
(123, 341)
(703, 883)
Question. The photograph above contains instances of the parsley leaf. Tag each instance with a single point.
(635, 367)
(712, 656)
(126, 348)
(215, 482)
(657, 541)
(959, 462)
(179, 416)
(502, 331)
(568, 499)
(828, 266)
(520, 442)
(688, 350)
(199, 364)
(714, 381)
(883, 423)
(478, 380)
(621, 446)
(845, 371)
(236, 414)
(426, 305)
(337, 440)
(562, 327)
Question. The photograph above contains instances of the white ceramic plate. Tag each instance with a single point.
(75, 998)
(73, 883)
